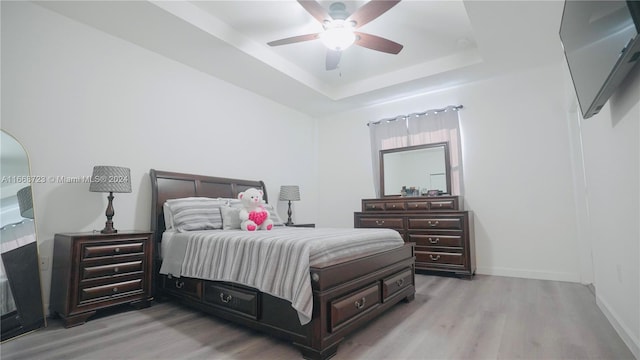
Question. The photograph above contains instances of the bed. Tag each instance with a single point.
(346, 292)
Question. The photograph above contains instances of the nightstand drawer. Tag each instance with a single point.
(110, 290)
(93, 250)
(91, 272)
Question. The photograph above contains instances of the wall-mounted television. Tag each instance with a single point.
(601, 46)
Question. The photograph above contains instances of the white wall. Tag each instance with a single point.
(76, 97)
(517, 170)
(611, 146)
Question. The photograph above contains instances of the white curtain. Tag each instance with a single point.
(432, 126)
(386, 134)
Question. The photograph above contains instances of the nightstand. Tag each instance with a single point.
(93, 271)
(303, 225)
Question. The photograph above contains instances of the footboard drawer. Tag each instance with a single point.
(239, 300)
(395, 283)
(183, 286)
(352, 306)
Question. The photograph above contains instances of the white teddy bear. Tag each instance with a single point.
(253, 215)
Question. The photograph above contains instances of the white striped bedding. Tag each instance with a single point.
(275, 262)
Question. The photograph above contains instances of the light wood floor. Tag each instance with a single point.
(488, 317)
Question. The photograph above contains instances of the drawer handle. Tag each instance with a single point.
(116, 270)
(360, 305)
(433, 224)
(179, 284)
(115, 289)
(225, 299)
(393, 206)
(400, 282)
(440, 205)
(415, 206)
(434, 241)
(434, 258)
(116, 250)
(379, 222)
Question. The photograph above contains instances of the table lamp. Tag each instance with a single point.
(110, 179)
(289, 193)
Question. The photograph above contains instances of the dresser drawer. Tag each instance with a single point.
(434, 257)
(417, 205)
(395, 283)
(110, 290)
(91, 272)
(381, 222)
(373, 206)
(443, 205)
(436, 223)
(93, 250)
(436, 240)
(188, 286)
(350, 307)
(242, 301)
(394, 206)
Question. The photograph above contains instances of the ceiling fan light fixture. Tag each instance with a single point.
(338, 35)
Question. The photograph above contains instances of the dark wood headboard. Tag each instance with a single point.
(171, 185)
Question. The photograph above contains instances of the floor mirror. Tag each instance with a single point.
(20, 289)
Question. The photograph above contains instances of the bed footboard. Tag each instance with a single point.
(345, 297)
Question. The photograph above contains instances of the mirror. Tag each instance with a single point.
(21, 303)
(416, 169)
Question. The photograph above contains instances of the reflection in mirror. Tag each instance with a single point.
(414, 170)
(20, 292)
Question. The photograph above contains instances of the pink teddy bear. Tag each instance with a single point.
(253, 215)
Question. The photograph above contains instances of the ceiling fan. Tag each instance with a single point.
(340, 29)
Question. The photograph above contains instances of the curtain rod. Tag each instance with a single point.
(426, 112)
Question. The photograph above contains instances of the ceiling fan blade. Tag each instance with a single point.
(371, 10)
(333, 58)
(315, 9)
(293, 39)
(374, 42)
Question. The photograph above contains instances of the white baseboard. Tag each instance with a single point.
(529, 274)
(619, 326)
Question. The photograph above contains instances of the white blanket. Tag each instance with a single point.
(275, 262)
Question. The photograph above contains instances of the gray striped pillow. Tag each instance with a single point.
(196, 213)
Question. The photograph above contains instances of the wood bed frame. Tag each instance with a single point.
(346, 295)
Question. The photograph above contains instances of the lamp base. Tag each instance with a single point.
(289, 222)
(108, 226)
(108, 229)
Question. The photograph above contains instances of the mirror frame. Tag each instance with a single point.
(22, 267)
(447, 161)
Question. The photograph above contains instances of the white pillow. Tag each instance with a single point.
(273, 215)
(168, 218)
(195, 213)
(230, 217)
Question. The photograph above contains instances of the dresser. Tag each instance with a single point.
(93, 271)
(442, 232)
